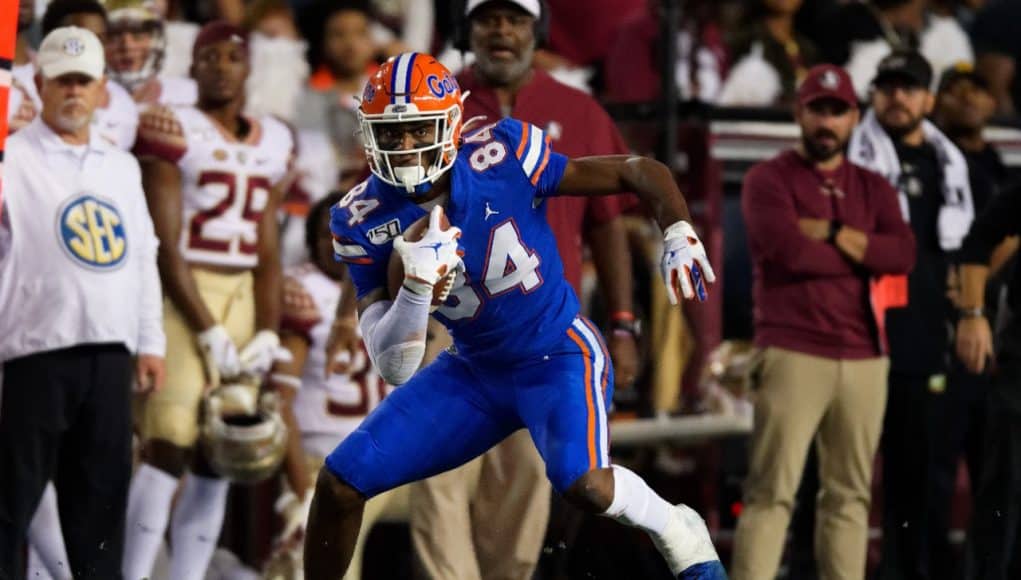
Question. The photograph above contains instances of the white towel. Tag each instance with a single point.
(752, 82)
(873, 149)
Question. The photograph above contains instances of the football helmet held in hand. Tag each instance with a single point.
(244, 440)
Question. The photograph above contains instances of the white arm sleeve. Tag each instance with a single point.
(394, 334)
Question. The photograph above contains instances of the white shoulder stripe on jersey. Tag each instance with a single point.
(534, 151)
(349, 250)
(401, 76)
(599, 362)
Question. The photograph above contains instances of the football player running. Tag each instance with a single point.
(210, 175)
(523, 357)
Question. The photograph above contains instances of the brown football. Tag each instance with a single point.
(395, 271)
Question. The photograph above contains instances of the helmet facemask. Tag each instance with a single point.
(418, 178)
(244, 439)
(139, 23)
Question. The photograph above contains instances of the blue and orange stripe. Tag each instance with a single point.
(593, 451)
(524, 141)
(606, 354)
(542, 166)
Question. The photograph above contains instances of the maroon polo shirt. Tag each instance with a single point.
(808, 296)
(578, 127)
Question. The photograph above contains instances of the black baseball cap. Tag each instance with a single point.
(962, 71)
(904, 65)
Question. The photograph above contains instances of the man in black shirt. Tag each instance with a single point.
(936, 195)
(964, 106)
(992, 552)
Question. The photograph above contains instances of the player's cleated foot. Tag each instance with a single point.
(704, 571)
(687, 547)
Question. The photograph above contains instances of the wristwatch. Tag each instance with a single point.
(972, 312)
(625, 322)
(835, 226)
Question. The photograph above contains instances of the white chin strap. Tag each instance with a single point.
(410, 176)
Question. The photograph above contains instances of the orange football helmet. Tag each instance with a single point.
(412, 87)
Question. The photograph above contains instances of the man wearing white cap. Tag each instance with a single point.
(81, 309)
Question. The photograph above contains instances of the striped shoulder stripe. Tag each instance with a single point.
(350, 252)
(533, 151)
(523, 140)
(545, 160)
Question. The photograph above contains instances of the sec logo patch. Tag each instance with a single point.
(92, 232)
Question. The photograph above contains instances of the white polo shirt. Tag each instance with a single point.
(77, 248)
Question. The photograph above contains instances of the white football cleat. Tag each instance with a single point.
(685, 542)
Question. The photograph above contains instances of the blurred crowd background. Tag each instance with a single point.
(707, 86)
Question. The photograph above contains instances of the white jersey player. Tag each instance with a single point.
(136, 47)
(212, 177)
(226, 183)
(326, 408)
(321, 408)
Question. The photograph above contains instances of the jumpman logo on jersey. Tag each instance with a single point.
(489, 211)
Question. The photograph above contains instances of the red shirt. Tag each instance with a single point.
(808, 296)
(578, 127)
(582, 30)
(633, 67)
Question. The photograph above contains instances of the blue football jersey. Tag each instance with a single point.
(512, 301)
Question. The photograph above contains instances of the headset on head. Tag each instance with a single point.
(462, 28)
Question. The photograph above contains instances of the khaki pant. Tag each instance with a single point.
(839, 404)
(486, 519)
(172, 413)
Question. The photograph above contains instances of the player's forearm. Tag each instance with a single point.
(613, 263)
(269, 276)
(181, 289)
(394, 334)
(654, 184)
(161, 182)
(347, 306)
(268, 295)
(295, 467)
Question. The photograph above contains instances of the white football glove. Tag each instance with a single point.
(219, 354)
(294, 512)
(685, 264)
(430, 259)
(258, 355)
